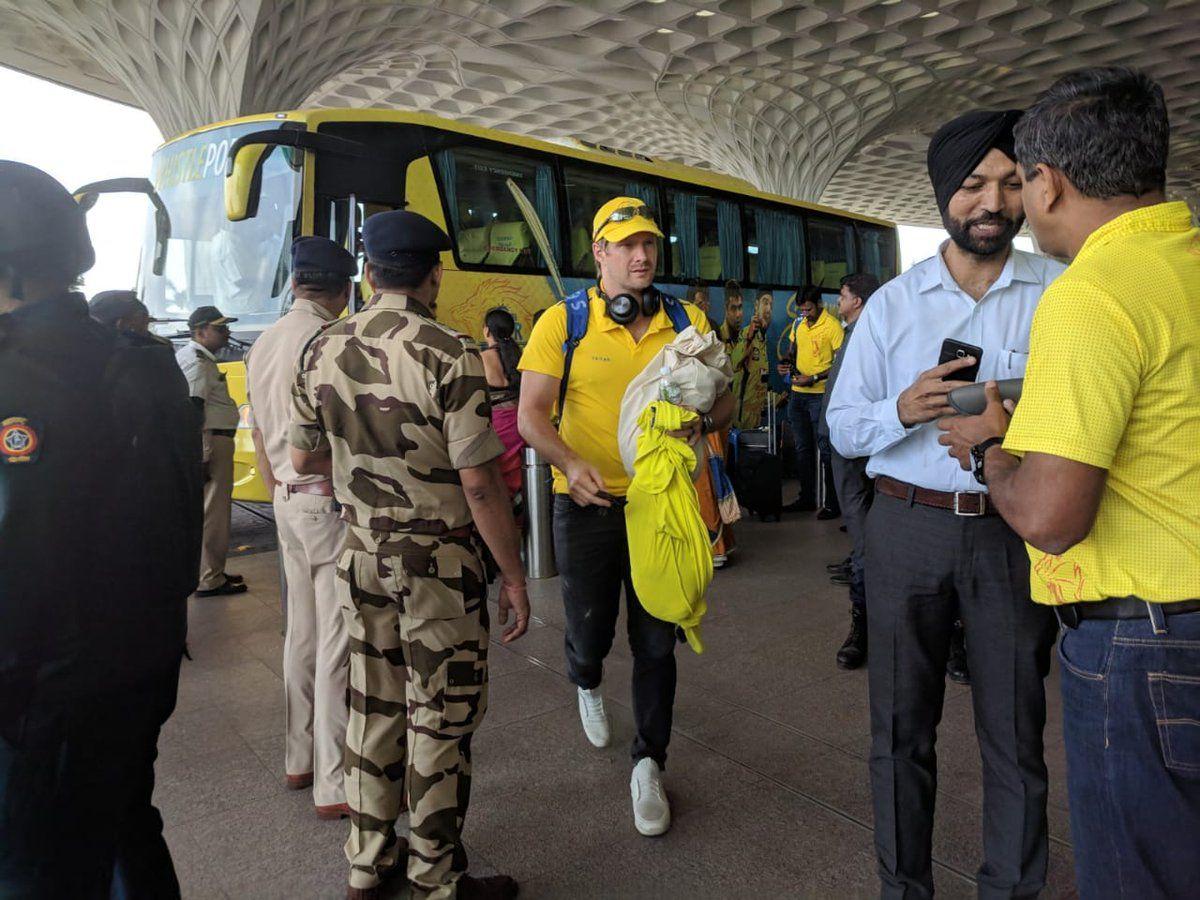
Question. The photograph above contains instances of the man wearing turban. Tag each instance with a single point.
(935, 549)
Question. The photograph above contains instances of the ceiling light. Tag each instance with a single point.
(705, 13)
(929, 15)
(665, 31)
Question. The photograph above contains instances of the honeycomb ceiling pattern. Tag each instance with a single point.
(829, 100)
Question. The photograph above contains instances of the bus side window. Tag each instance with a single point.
(877, 251)
(588, 188)
(831, 250)
(706, 237)
(485, 221)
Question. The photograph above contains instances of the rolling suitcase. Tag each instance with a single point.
(758, 470)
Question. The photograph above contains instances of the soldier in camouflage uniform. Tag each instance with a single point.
(394, 406)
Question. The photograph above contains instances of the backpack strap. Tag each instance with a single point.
(578, 306)
(676, 312)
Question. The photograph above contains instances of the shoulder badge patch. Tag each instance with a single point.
(19, 441)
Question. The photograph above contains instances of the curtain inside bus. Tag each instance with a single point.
(729, 228)
(685, 239)
(780, 247)
(448, 171)
(546, 203)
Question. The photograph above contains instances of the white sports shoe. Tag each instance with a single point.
(651, 811)
(593, 716)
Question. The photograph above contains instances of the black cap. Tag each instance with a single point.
(318, 254)
(109, 307)
(207, 315)
(388, 236)
(42, 228)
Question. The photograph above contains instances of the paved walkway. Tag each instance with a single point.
(767, 773)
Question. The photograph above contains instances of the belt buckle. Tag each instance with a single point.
(959, 511)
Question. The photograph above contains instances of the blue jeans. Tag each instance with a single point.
(1131, 721)
(803, 413)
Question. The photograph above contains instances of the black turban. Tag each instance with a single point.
(960, 144)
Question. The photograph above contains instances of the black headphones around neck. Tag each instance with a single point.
(624, 308)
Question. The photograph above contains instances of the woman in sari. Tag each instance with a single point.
(500, 358)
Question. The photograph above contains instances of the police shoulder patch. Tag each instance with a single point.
(19, 441)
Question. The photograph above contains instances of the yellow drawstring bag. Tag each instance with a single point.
(668, 544)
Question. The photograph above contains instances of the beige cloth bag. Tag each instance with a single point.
(698, 364)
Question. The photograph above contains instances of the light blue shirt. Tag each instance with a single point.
(899, 335)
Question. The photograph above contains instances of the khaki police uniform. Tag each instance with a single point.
(401, 401)
(308, 522)
(207, 383)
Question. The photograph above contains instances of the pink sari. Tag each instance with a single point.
(504, 420)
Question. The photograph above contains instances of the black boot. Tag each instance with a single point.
(853, 652)
(956, 664)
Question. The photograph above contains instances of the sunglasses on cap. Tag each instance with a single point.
(625, 214)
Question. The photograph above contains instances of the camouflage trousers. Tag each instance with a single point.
(416, 614)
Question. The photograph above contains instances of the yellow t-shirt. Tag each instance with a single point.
(605, 361)
(1114, 381)
(815, 347)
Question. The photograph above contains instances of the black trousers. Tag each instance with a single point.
(76, 779)
(855, 492)
(592, 554)
(921, 565)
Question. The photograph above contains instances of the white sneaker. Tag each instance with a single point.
(651, 811)
(593, 716)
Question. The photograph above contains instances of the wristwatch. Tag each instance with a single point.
(707, 425)
(978, 452)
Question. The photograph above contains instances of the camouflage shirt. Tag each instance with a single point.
(401, 401)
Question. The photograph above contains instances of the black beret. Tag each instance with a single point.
(111, 306)
(318, 254)
(389, 236)
(962, 143)
(42, 222)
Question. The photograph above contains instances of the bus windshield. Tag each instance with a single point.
(239, 267)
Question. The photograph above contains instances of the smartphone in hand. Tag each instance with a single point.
(952, 350)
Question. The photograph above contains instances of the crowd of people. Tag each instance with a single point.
(391, 447)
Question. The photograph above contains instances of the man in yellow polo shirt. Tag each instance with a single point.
(1099, 472)
(627, 323)
(815, 337)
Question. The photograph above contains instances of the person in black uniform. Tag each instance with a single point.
(100, 519)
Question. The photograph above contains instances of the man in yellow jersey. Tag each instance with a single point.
(1099, 472)
(814, 339)
(581, 356)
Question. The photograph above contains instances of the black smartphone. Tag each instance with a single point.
(952, 350)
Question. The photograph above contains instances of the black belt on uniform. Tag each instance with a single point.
(1071, 614)
(223, 432)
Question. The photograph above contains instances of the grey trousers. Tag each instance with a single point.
(855, 491)
(922, 564)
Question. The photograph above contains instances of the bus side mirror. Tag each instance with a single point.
(87, 196)
(243, 179)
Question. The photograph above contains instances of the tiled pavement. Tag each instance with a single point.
(767, 773)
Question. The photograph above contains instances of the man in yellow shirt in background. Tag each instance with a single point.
(815, 337)
(1099, 472)
(626, 322)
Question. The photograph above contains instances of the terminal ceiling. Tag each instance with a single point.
(831, 100)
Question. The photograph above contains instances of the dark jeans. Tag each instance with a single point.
(1131, 723)
(855, 491)
(803, 413)
(922, 565)
(76, 779)
(592, 554)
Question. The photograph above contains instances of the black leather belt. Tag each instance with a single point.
(1070, 615)
(223, 432)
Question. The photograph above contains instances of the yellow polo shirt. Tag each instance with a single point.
(1114, 381)
(605, 361)
(815, 346)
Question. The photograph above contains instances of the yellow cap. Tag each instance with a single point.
(635, 217)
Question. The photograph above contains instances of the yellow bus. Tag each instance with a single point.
(325, 171)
